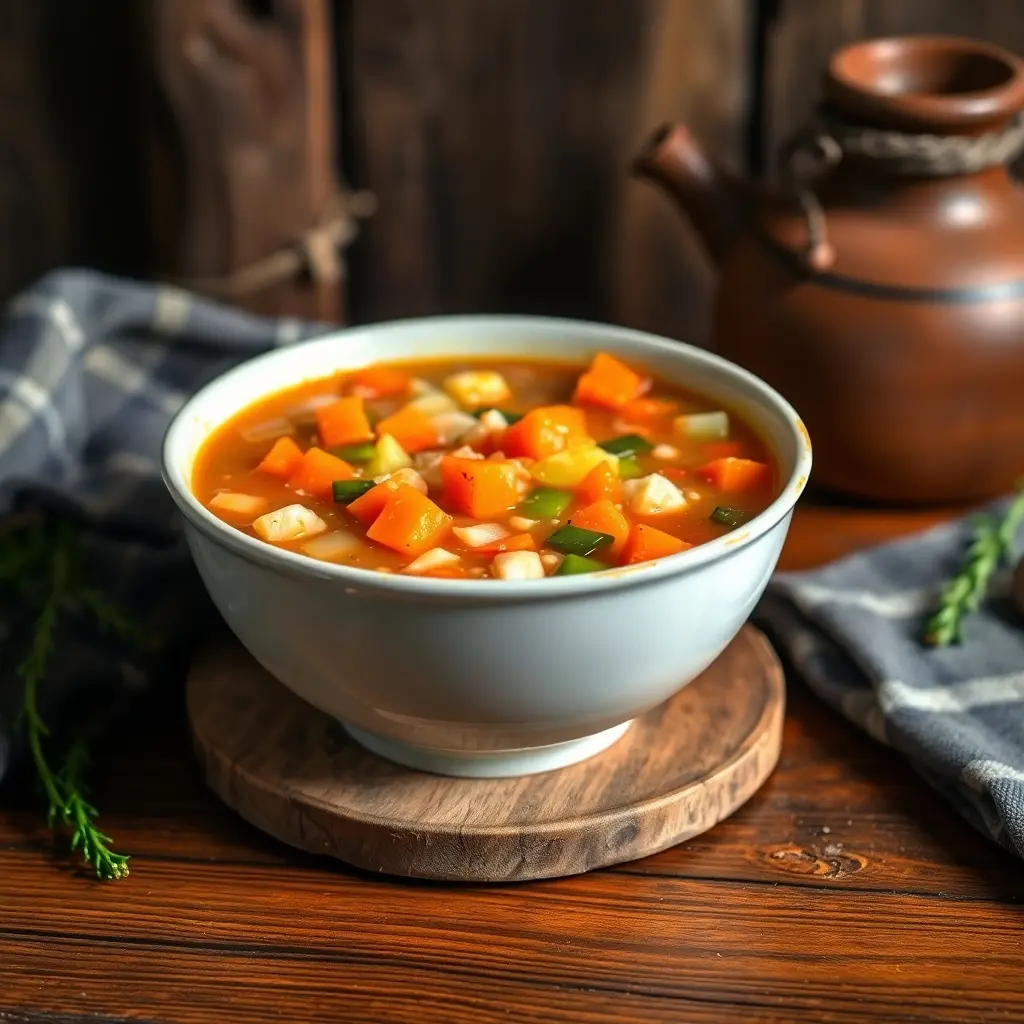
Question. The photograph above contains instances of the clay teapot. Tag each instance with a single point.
(881, 287)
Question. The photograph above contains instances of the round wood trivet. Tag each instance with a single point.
(292, 771)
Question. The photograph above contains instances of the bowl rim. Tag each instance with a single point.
(292, 563)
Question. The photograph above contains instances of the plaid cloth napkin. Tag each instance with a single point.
(91, 371)
(852, 630)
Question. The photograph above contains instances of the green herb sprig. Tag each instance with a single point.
(39, 566)
(991, 546)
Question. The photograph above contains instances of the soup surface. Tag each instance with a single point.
(485, 468)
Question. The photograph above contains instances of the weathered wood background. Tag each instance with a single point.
(495, 135)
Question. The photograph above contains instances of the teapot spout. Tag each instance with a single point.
(711, 198)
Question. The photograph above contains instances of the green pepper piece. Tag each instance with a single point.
(545, 503)
(629, 469)
(348, 490)
(571, 540)
(627, 446)
(355, 452)
(510, 417)
(731, 517)
(573, 565)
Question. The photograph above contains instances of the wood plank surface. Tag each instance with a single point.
(844, 891)
(496, 135)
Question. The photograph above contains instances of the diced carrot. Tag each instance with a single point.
(317, 471)
(603, 517)
(601, 482)
(732, 474)
(409, 523)
(545, 431)
(370, 505)
(647, 542)
(410, 428)
(609, 383)
(343, 422)
(644, 410)
(517, 542)
(380, 382)
(283, 458)
(479, 487)
(722, 449)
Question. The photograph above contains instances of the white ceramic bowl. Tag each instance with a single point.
(480, 677)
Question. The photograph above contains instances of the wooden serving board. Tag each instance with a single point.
(292, 771)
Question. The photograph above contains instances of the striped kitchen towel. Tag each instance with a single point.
(852, 630)
(92, 369)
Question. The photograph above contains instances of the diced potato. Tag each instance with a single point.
(517, 565)
(567, 468)
(329, 547)
(522, 523)
(474, 388)
(702, 426)
(388, 457)
(666, 452)
(653, 495)
(481, 534)
(552, 561)
(452, 426)
(289, 523)
(240, 504)
(434, 403)
(432, 560)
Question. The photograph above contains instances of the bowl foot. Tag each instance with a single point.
(496, 764)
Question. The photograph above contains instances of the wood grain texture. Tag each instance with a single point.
(679, 770)
(496, 136)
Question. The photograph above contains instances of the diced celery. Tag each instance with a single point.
(356, 452)
(572, 540)
(702, 426)
(573, 565)
(731, 517)
(629, 469)
(546, 503)
(348, 490)
(627, 446)
(388, 457)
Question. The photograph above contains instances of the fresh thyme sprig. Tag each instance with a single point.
(991, 545)
(35, 562)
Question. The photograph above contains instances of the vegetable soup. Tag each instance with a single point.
(486, 468)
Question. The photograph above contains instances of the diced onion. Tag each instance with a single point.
(409, 477)
(551, 560)
(702, 425)
(288, 523)
(452, 426)
(653, 495)
(331, 546)
(434, 403)
(665, 452)
(522, 523)
(241, 504)
(517, 565)
(430, 561)
(481, 535)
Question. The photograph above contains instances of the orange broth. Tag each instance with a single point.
(721, 470)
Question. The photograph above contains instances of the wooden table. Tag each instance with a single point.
(844, 891)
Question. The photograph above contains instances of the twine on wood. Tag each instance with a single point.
(829, 140)
(316, 252)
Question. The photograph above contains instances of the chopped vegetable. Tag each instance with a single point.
(508, 417)
(514, 542)
(518, 565)
(431, 561)
(329, 547)
(479, 487)
(317, 473)
(731, 517)
(600, 482)
(644, 410)
(572, 540)
(411, 428)
(379, 382)
(481, 534)
(629, 469)
(546, 503)
(473, 388)
(409, 523)
(551, 560)
(355, 452)
(568, 468)
(609, 383)
(388, 457)
(654, 496)
(407, 476)
(732, 474)
(346, 491)
(702, 426)
(248, 505)
(665, 452)
(451, 427)
(574, 565)
(602, 518)
(371, 504)
(283, 458)
(288, 523)
(432, 403)
(546, 431)
(522, 523)
(647, 542)
(627, 446)
(343, 422)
